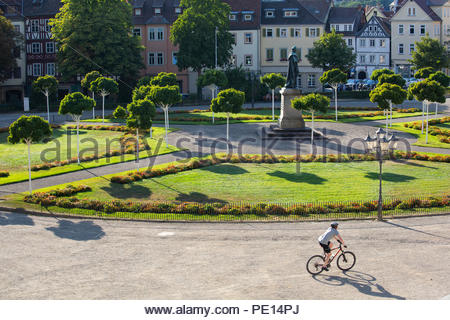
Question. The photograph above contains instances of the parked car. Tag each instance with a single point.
(351, 84)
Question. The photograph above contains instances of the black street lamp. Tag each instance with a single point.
(380, 145)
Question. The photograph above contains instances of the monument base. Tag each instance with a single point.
(290, 118)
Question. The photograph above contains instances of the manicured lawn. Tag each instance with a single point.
(433, 141)
(280, 183)
(14, 158)
(206, 117)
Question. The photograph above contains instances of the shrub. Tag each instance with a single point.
(4, 174)
(120, 113)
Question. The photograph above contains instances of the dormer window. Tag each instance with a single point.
(290, 13)
(137, 12)
(178, 10)
(248, 17)
(411, 11)
(233, 17)
(157, 10)
(270, 14)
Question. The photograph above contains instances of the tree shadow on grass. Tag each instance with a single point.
(80, 231)
(197, 197)
(414, 164)
(391, 177)
(302, 177)
(126, 191)
(15, 219)
(225, 169)
(363, 282)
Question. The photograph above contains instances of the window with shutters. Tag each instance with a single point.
(269, 32)
(313, 32)
(283, 33)
(269, 54)
(283, 54)
(297, 32)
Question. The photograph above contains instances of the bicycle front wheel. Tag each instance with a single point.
(314, 264)
(346, 260)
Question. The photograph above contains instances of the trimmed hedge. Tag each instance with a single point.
(4, 174)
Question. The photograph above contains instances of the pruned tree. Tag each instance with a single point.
(120, 113)
(212, 78)
(141, 113)
(86, 83)
(431, 53)
(392, 79)
(28, 130)
(423, 73)
(47, 85)
(443, 79)
(313, 102)
(273, 81)
(387, 94)
(104, 86)
(140, 93)
(163, 79)
(144, 81)
(428, 91)
(165, 97)
(229, 101)
(74, 104)
(379, 72)
(334, 78)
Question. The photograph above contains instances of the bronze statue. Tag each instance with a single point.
(292, 76)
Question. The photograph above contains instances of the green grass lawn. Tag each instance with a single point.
(280, 183)
(14, 158)
(433, 141)
(206, 117)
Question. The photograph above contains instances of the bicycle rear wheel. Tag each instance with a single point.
(346, 260)
(314, 264)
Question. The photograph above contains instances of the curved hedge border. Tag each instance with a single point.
(4, 174)
(221, 158)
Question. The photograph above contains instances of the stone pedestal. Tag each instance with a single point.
(290, 118)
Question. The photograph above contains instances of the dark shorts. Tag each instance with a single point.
(326, 247)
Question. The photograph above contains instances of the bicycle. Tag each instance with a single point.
(345, 261)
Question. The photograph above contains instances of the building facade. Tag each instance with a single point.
(12, 90)
(289, 23)
(348, 22)
(373, 43)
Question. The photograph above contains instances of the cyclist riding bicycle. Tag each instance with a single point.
(325, 242)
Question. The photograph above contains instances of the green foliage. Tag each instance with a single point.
(31, 129)
(194, 33)
(333, 77)
(141, 113)
(164, 79)
(428, 90)
(379, 72)
(8, 44)
(46, 84)
(440, 77)
(212, 76)
(391, 78)
(229, 100)
(93, 33)
(429, 53)
(273, 80)
(141, 93)
(331, 52)
(164, 97)
(104, 86)
(312, 102)
(386, 92)
(423, 73)
(144, 81)
(120, 113)
(89, 78)
(75, 103)
(238, 78)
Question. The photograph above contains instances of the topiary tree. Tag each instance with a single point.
(313, 102)
(120, 113)
(141, 113)
(165, 97)
(428, 91)
(164, 79)
(144, 81)
(334, 78)
(392, 79)
(379, 72)
(273, 81)
(387, 94)
(229, 100)
(104, 86)
(423, 73)
(212, 78)
(47, 85)
(75, 104)
(140, 93)
(86, 83)
(443, 79)
(29, 130)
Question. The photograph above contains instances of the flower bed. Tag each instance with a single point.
(4, 174)
(442, 134)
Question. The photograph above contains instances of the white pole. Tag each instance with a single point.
(103, 108)
(78, 140)
(48, 107)
(423, 112)
(273, 104)
(215, 45)
(137, 148)
(436, 105)
(166, 120)
(390, 107)
(387, 117)
(312, 131)
(228, 131)
(93, 108)
(335, 102)
(212, 98)
(426, 135)
(29, 167)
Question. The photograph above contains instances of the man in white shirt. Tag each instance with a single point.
(325, 242)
